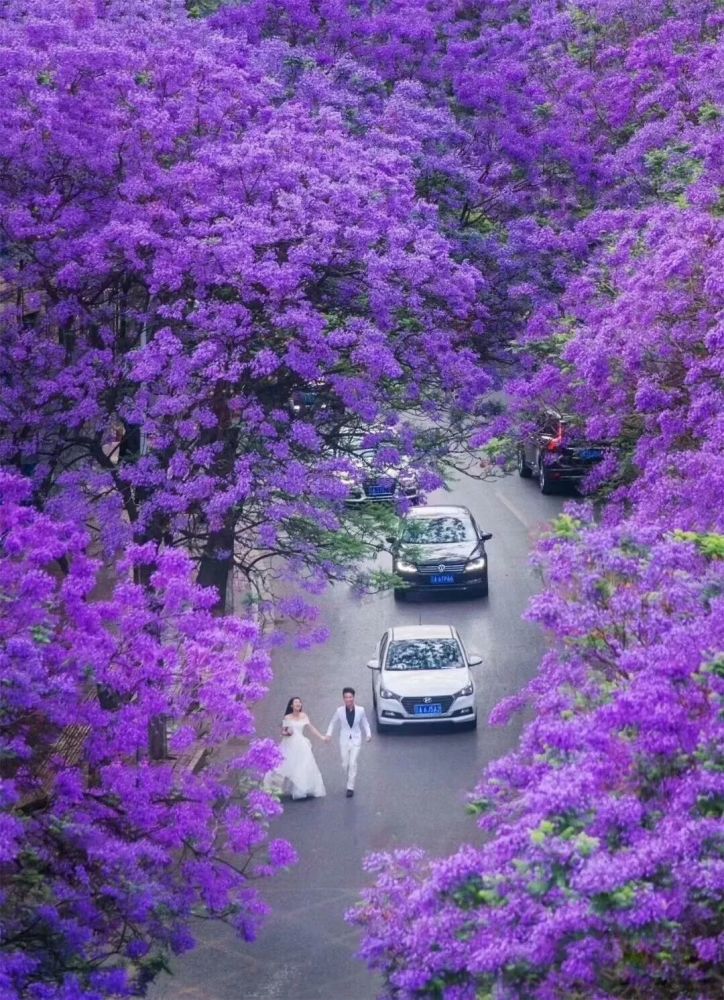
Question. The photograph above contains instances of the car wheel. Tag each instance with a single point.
(525, 471)
(472, 725)
(482, 589)
(381, 727)
(399, 594)
(544, 480)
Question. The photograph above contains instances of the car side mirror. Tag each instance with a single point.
(474, 660)
(390, 539)
(486, 537)
(373, 665)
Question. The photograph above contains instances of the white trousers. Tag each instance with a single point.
(350, 753)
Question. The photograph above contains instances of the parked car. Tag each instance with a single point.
(371, 477)
(423, 674)
(315, 400)
(558, 453)
(440, 548)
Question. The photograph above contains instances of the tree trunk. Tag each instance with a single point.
(216, 564)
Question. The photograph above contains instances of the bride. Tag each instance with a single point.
(298, 774)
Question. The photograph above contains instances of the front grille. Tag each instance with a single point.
(447, 568)
(444, 700)
(379, 488)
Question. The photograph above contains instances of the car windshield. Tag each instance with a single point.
(424, 654)
(437, 530)
(355, 445)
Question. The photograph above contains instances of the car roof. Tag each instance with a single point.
(398, 632)
(559, 414)
(440, 511)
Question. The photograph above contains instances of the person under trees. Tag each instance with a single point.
(192, 228)
(108, 854)
(201, 216)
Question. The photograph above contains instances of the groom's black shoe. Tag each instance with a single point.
(350, 793)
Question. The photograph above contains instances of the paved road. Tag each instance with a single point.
(411, 787)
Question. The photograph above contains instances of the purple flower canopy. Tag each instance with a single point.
(391, 200)
(586, 186)
(106, 852)
(192, 228)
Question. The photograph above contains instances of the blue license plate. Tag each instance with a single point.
(380, 491)
(443, 578)
(428, 709)
(589, 454)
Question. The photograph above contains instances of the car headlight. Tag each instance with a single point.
(474, 565)
(464, 692)
(405, 567)
(386, 693)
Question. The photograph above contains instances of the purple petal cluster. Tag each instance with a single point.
(392, 200)
(107, 853)
(599, 209)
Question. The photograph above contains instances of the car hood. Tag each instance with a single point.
(367, 470)
(389, 472)
(444, 552)
(411, 683)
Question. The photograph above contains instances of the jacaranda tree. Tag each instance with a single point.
(199, 216)
(107, 854)
(601, 874)
(192, 230)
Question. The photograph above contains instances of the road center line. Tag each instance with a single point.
(513, 510)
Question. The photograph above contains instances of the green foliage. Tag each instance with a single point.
(620, 899)
(42, 634)
(542, 832)
(566, 526)
(709, 112)
(710, 544)
(672, 171)
(203, 8)
(544, 111)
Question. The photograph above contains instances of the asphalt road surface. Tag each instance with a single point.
(411, 787)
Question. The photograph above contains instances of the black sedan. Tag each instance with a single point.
(558, 454)
(377, 472)
(440, 549)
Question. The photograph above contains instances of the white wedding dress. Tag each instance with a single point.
(298, 774)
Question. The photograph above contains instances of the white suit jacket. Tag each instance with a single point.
(345, 733)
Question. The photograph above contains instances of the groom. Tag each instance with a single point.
(352, 720)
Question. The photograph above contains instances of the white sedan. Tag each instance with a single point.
(422, 674)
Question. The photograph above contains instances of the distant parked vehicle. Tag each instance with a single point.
(440, 548)
(315, 400)
(372, 478)
(423, 674)
(558, 454)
